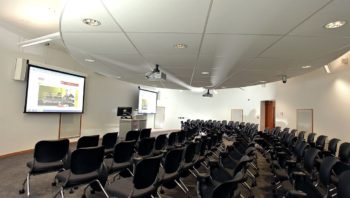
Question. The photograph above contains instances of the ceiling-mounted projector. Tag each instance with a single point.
(155, 75)
(208, 94)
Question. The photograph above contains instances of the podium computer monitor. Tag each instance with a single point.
(124, 112)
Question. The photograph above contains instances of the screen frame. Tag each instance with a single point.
(58, 71)
(138, 109)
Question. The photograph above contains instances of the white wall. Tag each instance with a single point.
(193, 106)
(328, 96)
(21, 131)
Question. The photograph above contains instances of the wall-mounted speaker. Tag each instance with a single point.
(20, 69)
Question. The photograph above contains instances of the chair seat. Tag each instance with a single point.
(206, 190)
(122, 188)
(165, 177)
(39, 167)
(113, 167)
(282, 174)
(73, 179)
(109, 151)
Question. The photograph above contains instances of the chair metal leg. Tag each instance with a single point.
(62, 192)
(103, 190)
(194, 174)
(130, 171)
(177, 183)
(28, 184)
(184, 185)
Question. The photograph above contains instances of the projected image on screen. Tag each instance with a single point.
(54, 91)
(147, 101)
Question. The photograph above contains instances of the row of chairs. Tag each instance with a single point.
(305, 167)
(152, 162)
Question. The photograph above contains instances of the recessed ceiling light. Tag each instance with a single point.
(306, 66)
(205, 73)
(223, 87)
(118, 77)
(334, 24)
(180, 46)
(326, 68)
(262, 81)
(89, 60)
(91, 22)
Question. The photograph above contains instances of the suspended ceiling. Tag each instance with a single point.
(239, 42)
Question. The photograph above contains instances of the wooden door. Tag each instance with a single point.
(269, 114)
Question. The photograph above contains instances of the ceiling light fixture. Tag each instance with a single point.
(36, 42)
(326, 68)
(89, 60)
(223, 87)
(180, 46)
(118, 77)
(262, 81)
(205, 73)
(39, 40)
(335, 24)
(91, 22)
(306, 66)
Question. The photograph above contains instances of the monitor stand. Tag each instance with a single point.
(126, 117)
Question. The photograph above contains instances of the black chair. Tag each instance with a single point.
(88, 141)
(321, 142)
(332, 147)
(188, 162)
(145, 147)
(145, 133)
(85, 168)
(48, 157)
(160, 144)
(181, 137)
(343, 189)
(172, 140)
(208, 189)
(344, 152)
(311, 139)
(144, 182)
(122, 157)
(171, 167)
(108, 141)
(132, 135)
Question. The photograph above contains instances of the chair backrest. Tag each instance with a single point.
(190, 151)
(181, 137)
(344, 152)
(86, 160)
(321, 141)
(326, 169)
(51, 150)
(109, 140)
(332, 146)
(301, 135)
(123, 151)
(146, 171)
(311, 138)
(203, 147)
(146, 146)
(173, 160)
(145, 133)
(132, 135)
(172, 138)
(224, 190)
(309, 159)
(88, 141)
(343, 185)
(160, 142)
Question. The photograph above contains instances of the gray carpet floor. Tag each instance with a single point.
(14, 170)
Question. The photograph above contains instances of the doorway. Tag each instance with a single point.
(267, 114)
(237, 115)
